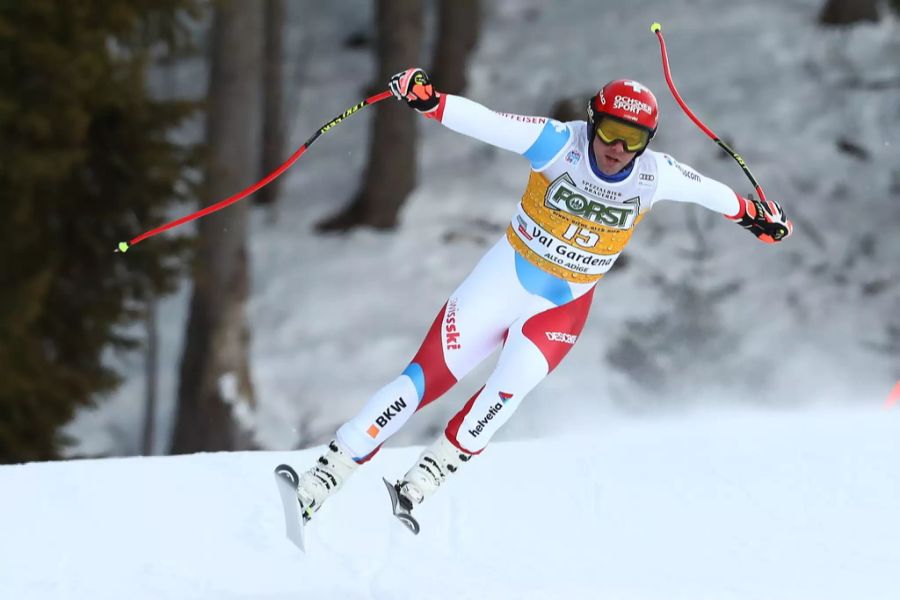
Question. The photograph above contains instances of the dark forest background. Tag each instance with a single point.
(90, 154)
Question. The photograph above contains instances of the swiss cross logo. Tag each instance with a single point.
(637, 87)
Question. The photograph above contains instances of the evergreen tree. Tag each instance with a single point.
(85, 161)
(846, 12)
(390, 173)
(459, 22)
(215, 387)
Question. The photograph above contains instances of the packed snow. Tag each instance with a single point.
(796, 505)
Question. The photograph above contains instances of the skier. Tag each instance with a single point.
(590, 184)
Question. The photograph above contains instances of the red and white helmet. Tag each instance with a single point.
(628, 101)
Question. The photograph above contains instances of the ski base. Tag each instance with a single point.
(286, 479)
(399, 511)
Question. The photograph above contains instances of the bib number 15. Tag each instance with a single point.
(581, 236)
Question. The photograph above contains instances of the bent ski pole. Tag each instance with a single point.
(656, 28)
(125, 246)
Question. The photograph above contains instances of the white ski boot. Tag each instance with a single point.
(435, 464)
(324, 479)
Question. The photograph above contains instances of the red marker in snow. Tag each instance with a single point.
(893, 397)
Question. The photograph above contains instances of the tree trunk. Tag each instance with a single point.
(458, 25)
(844, 12)
(151, 378)
(391, 167)
(273, 100)
(215, 392)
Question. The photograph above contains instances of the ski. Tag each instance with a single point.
(286, 479)
(400, 511)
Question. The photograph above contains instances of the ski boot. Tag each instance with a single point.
(325, 478)
(435, 464)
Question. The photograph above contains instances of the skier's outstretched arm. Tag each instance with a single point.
(538, 139)
(681, 183)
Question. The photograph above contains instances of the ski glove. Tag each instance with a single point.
(766, 221)
(413, 87)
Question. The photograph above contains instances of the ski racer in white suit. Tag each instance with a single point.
(590, 184)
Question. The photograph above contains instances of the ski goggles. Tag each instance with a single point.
(610, 130)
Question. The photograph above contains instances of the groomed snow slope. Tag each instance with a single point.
(726, 506)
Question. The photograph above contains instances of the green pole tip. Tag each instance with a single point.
(123, 247)
(655, 27)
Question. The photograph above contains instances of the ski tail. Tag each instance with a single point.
(286, 479)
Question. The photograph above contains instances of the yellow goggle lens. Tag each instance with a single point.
(611, 130)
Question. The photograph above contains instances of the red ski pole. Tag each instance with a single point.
(657, 29)
(125, 246)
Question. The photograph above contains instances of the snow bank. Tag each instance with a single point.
(725, 506)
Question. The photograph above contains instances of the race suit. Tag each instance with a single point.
(532, 290)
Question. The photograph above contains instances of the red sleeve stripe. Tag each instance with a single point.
(438, 113)
(742, 203)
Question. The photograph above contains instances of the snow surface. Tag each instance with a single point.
(335, 317)
(731, 505)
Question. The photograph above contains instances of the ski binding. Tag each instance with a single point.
(400, 511)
